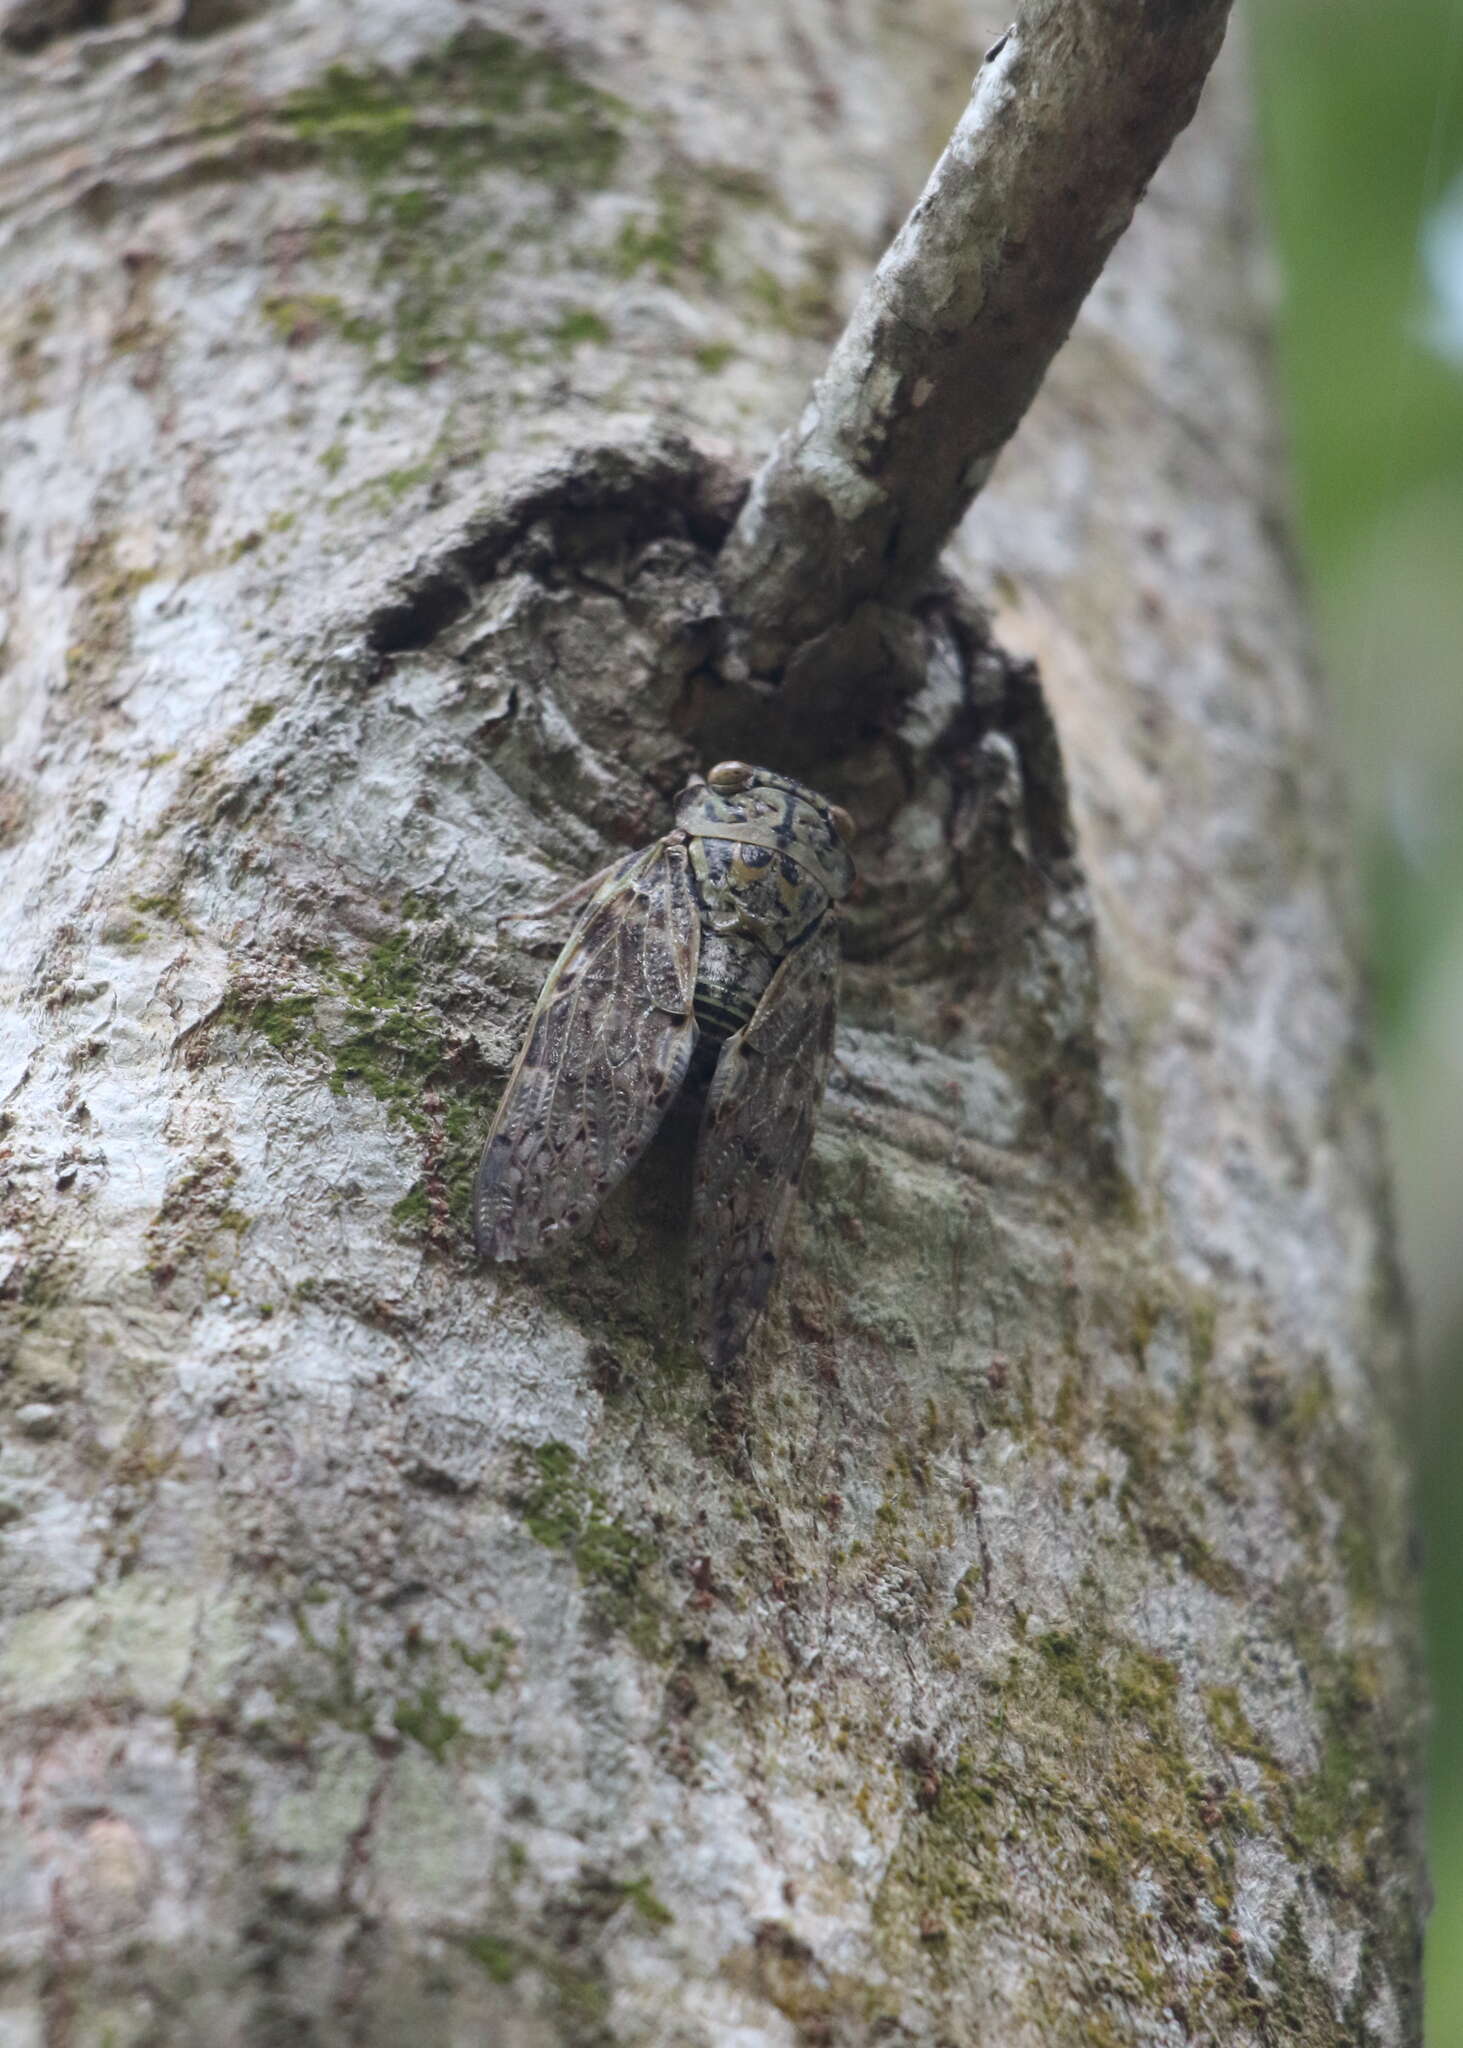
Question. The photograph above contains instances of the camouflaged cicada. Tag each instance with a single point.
(707, 962)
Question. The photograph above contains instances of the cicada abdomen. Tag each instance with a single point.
(714, 953)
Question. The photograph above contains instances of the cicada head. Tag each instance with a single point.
(736, 800)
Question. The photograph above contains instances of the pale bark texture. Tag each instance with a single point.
(1018, 1649)
(1074, 109)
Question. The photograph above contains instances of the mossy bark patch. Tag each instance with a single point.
(486, 100)
(563, 1511)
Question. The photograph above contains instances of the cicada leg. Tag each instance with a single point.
(571, 898)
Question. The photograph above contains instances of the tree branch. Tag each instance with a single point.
(1072, 112)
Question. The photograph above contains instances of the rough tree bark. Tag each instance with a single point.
(1019, 1649)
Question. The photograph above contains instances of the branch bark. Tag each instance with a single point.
(1072, 112)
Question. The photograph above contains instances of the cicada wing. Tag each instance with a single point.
(755, 1134)
(605, 1054)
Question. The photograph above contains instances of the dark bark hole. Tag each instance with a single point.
(34, 23)
(418, 619)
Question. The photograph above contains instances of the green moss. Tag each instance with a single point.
(420, 142)
(578, 1993)
(1303, 2006)
(808, 308)
(28, 356)
(679, 238)
(947, 1865)
(30, 1293)
(44, 1283)
(1075, 1668)
(1334, 1817)
(390, 1042)
(322, 1685)
(1231, 1726)
(1150, 1497)
(1147, 1315)
(578, 325)
(507, 341)
(426, 1721)
(1203, 1327)
(101, 624)
(638, 1891)
(1147, 1685)
(491, 1664)
(389, 486)
(414, 1210)
(582, 1995)
(392, 973)
(418, 146)
(394, 1047)
(167, 905)
(638, 247)
(501, 1959)
(970, 1584)
(484, 101)
(1129, 1682)
(1086, 1756)
(427, 906)
(824, 2006)
(183, 1236)
(1351, 1798)
(278, 1020)
(562, 1511)
(1326, 1460)
(414, 208)
(390, 1052)
(552, 1508)
(299, 317)
(712, 356)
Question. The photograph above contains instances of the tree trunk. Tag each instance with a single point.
(1018, 1648)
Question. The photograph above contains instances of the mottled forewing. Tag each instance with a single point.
(605, 1054)
(755, 1134)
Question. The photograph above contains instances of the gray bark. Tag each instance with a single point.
(1075, 107)
(1019, 1650)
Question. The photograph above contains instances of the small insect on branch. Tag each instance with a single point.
(1072, 112)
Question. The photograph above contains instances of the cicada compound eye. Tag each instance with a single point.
(843, 821)
(729, 775)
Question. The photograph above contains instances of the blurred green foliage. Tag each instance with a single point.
(1358, 145)
(1362, 115)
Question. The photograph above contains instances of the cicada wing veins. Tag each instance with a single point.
(755, 1134)
(604, 1057)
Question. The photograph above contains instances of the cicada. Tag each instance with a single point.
(706, 966)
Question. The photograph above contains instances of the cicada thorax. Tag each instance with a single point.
(755, 905)
(766, 864)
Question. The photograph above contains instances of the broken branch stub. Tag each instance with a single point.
(1072, 112)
